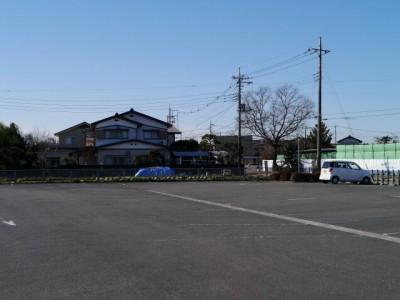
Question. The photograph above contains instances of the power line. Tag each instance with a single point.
(120, 100)
(217, 115)
(364, 111)
(109, 89)
(366, 130)
(294, 50)
(365, 116)
(289, 60)
(285, 68)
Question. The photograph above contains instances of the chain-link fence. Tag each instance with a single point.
(386, 177)
(110, 172)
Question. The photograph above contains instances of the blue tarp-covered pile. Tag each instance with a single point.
(156, 171)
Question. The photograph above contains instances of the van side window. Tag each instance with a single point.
(353, 166)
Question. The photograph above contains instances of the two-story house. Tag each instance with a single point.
(70, 141)
(122, 139)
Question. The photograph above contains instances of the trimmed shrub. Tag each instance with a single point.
(298, 177)
(274, 176)
(305, 177)
(284, 176)
(315, 176)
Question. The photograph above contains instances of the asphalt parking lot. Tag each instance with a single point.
(208, 240)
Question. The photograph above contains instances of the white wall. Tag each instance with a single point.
(367, 164)
(377, 164)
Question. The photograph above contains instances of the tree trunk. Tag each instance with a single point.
(274, 158)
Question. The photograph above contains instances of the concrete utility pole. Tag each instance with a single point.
(211, 125)
(171, 117)
(240, 79)
(320, 52)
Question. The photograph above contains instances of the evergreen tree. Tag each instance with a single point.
(385, 139)
(326, 137)
(13, 150)
(290, 155)
(208, 142)
(231, 150)
(185, 145)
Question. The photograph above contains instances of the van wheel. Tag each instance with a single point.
(335, 180)
(366, 180)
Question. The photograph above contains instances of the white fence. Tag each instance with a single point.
(306, 165)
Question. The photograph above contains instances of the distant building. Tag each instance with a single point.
(250, 150)
(191, 157)
(349, 141)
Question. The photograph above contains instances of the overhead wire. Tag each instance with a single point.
(297, 57)
(364, 111)
(338, 101)
(365, 116)
(285, 68)
(365, 130)
(284, 54)
(54, 105)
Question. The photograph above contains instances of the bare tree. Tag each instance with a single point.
(39, 141)
(276, 115)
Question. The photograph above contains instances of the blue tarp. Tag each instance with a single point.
(156, 171)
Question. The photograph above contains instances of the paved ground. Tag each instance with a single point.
(217, 240)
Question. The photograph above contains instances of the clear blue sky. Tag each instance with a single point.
(63, 62)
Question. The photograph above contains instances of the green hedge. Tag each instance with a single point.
(294, 176)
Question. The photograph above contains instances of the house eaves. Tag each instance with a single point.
(82, 125)
(132, 111)
(349, 138)
(130, 141)
(173, 130)
(116, 116)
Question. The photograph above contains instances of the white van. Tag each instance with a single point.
(344, 171)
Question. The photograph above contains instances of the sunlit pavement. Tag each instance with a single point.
(216, 240)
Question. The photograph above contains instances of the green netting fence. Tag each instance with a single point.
(371, 151)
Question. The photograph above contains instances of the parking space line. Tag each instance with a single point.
(287, 218)
(297, 199)
(11, 222)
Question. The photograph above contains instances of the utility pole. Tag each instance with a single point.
(240, 80)
(211, 125)
(335, 135)
(320, 52)
(171, 116)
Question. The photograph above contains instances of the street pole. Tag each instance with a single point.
(320, 51)
(240, 79)
(298, 154)
(319, 105)
(239, 120)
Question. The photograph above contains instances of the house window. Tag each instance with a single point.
(70, 140)
(154, 135)
(116, 134)
(112, 134)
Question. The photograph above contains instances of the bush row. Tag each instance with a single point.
(278, 176)
(33, 180)
(294, 176)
